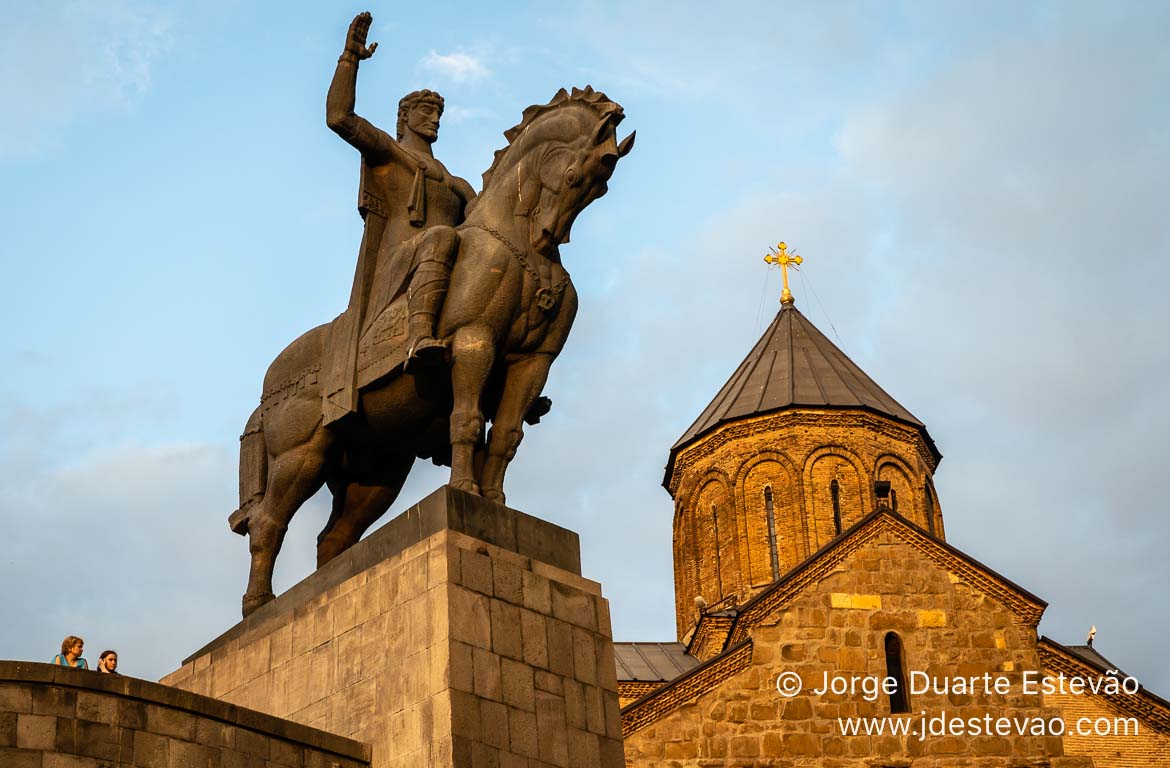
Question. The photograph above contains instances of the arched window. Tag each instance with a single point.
(770, 511)
(893, 500)
(835, 492)
(896, 669)
(930, 511)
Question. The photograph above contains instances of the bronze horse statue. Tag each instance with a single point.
(507, 314)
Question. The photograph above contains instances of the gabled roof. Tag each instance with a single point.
(735, 653)
(821, 563)
(710, 635)
(1075, 660)
(792, 365)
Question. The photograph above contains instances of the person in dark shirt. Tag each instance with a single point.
(108, 662)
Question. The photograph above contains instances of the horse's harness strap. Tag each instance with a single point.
(546, 298)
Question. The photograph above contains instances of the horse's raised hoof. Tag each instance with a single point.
(494, 495)
(467, 486)
(238, 520)
(252, 602)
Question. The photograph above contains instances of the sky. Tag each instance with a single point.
(980, 192)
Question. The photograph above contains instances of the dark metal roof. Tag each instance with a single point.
(651, 662)
(1093, 658)
(794, 364)
(1089, 655)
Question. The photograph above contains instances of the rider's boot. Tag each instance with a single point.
(428, 288)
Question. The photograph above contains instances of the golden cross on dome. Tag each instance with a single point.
(780, 256)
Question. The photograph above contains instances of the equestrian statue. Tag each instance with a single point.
(459, 305)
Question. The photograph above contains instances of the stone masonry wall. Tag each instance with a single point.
(837, 626)
(722, 483)
(452, 652)
(54, 717)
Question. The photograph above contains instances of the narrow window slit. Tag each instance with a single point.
(769, 508)
(835, 492)
(896, 670)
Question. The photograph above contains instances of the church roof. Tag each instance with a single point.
(1145, 705)
(651, 662)
(792, 365)
(1089, 655)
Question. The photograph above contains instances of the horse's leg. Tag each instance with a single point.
(362, 505)
(472, 354)
(293, 476)
(522, 385)
(338, 485)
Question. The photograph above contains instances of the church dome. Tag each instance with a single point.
(794, 364)
(796, 448)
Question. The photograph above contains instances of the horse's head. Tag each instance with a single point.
(558, 161)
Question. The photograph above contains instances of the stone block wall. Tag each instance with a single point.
(450, 649)
(55, 717)
(950, 622)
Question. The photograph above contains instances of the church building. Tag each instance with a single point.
(823, 619)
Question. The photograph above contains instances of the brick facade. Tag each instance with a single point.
(757, 497)
(1121, 730)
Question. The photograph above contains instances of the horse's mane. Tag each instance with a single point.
(596, 100)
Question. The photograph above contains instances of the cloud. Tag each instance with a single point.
(702, 51)
(1020, 191)
(989, 241)
(85, 57)
(126, 545)
(458, 67)
(128, 550)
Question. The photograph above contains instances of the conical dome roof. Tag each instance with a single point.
(794, 365)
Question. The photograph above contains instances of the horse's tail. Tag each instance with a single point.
(253, 472)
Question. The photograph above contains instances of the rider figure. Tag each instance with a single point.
(403, 191)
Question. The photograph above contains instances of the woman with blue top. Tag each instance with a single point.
(70, 655)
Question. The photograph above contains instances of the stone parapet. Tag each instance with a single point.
(56, 716)
(459, 634)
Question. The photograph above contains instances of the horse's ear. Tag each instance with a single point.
(599, 132)
(627, 144)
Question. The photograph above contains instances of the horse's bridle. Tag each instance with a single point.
(546, 298)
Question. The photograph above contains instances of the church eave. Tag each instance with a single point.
(682, 445)
(685, 688)
(1146, 705)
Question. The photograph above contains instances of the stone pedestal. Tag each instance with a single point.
(461, 633)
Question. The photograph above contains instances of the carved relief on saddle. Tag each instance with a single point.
(382, 348)
(277, 393)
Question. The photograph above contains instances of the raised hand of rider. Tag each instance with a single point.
(355, 41)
